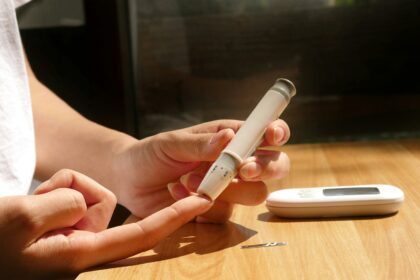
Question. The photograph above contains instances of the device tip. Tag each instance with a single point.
(287, 86)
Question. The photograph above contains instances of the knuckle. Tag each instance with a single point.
(20, 207)
(164, 141)
(75, 254)
(24, 215)
(65, 172)
(160, 137)
(76, 201)
(197, 147)
(63, 175)
(149, 241)
(175, 212)
(110, 198)
(168, 137)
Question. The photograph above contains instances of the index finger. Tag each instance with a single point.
(215, 126)
(127, 240)
(276, 134)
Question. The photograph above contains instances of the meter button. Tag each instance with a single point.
(306, 193)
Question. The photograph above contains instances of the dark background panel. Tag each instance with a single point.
(354, 64)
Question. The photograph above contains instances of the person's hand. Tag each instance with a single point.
(62, 228)
(153, 172)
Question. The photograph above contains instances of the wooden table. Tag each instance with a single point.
(347, 248)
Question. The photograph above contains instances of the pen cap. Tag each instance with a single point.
(249, 136)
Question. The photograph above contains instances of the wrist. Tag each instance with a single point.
(119, 162)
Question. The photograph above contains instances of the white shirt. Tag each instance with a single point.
(17, 139)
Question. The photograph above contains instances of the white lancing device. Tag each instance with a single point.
(247, 139)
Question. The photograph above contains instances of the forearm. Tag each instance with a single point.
(65, 139)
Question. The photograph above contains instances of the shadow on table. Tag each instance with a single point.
(192, 238)
(271, 218)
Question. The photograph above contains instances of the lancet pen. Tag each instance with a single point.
(247, 139)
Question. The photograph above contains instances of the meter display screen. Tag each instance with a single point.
(350, 191)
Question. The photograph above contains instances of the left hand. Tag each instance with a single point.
(62, 228)
(155, 171)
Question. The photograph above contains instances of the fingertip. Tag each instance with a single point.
(286, 132)
(278, 133)
(200, 202)
(250, 170)
(200, 198)
(222, 136)
(43, 187)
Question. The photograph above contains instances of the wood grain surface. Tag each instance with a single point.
(342, 248)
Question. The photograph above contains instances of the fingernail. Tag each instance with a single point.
(278, 135)
(216, 137)
(219, 135)
(41, 187)
(250, 170)
(45, 183)
(191, 181)
(178, 191)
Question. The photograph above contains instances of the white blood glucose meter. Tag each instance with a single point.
(360, 200)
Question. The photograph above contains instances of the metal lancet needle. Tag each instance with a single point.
(269, 244)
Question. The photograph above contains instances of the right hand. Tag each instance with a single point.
(154, 172)
(62, 228)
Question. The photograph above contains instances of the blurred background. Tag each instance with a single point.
(146, 66)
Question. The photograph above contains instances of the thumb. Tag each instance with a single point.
(191, 147)
(57, 209)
